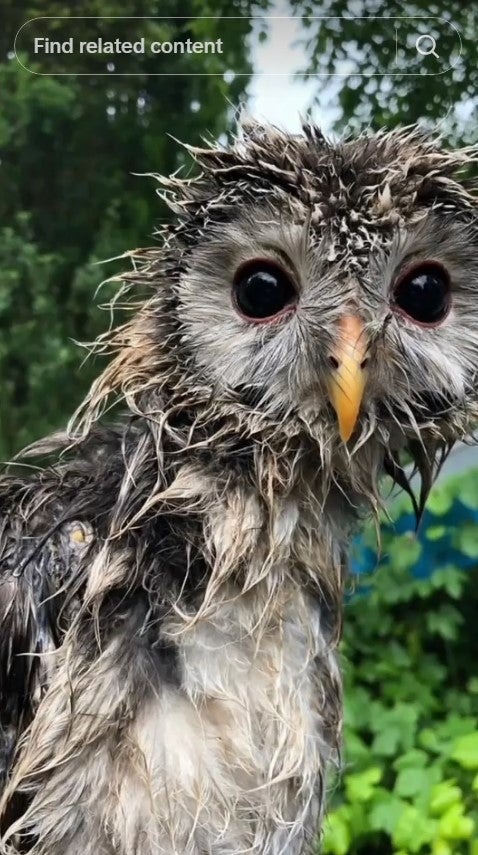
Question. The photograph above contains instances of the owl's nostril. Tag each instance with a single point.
(333, 362)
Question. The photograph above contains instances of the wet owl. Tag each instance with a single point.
(172, 578)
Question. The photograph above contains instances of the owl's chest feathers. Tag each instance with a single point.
(245, 741)
(259, 689)
(245, 738)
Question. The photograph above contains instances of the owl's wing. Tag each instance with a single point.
(39, 558)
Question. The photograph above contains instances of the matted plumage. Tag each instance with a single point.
(171, 586)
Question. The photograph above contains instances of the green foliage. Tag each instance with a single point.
(410, 654)
(40, 374)
(368, 98)
(68, 149)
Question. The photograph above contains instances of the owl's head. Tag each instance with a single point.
(326, 290)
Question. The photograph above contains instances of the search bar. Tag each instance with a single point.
(111, 46)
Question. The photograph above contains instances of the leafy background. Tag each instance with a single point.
(410, 653)
(68, 199)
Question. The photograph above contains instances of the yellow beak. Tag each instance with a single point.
(346, 382)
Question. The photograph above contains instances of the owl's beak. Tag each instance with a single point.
(346, 382)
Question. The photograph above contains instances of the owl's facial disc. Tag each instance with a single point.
(346, 382)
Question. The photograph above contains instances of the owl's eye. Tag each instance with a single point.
(262, 290)
(423, 293)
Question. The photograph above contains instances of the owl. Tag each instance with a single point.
(172, 572)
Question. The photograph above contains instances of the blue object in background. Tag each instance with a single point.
(435, 552)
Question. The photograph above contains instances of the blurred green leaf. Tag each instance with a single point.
(360, 786)
(443, 795)
(465, 538)
(413, 830)
(465, 751)
(454, 825)
(337, 839)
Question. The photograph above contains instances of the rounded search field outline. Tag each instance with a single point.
(238, 18)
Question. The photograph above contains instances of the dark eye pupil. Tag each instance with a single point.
(424, 294)
(262, 290)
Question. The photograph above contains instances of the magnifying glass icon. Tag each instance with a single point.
(426, 51)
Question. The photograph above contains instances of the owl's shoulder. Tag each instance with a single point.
(50, 515)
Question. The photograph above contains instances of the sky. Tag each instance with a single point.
(277, 96)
